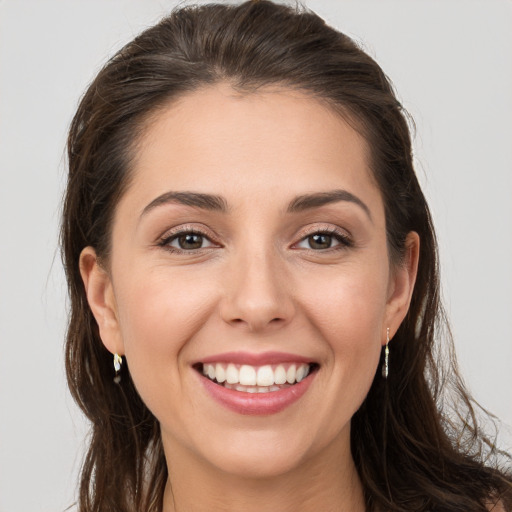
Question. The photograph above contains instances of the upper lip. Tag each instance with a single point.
(254, 359)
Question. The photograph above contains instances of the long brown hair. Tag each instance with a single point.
(413, 450)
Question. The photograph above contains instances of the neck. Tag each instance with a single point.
(329, 482)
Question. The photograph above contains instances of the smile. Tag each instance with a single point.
(256, 384)
(256, 379)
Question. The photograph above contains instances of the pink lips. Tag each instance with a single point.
(256, 403)
(255, 359)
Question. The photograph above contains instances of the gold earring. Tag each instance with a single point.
(118, 363)
(385, 366)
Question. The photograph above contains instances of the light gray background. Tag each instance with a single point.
(451, 64)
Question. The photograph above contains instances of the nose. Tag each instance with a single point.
(257, 293)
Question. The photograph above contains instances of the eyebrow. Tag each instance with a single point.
(196, 199)
(218, 203)
(308, 201)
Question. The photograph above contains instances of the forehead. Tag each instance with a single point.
(216, 140)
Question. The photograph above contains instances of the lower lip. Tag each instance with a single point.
(257, 403)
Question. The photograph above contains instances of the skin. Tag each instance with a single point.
(256, 285)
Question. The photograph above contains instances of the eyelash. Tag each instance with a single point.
(344, 241)
(183, 231)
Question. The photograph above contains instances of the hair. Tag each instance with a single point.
(415, 440)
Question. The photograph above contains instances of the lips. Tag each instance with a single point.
(256, 384)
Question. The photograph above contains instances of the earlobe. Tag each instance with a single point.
(402, 284)
(100, 296)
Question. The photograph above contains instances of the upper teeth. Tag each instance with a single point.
(247, 375)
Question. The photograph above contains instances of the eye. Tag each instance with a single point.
(187, 241)
(323, 240)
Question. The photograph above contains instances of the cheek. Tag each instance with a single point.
(345, 310)
(348, 305)
(348, 312)
(158, 315)
(161, 310)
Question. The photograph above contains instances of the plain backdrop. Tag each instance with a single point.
(451, 64)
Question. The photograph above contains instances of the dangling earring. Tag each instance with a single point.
(385, 366)
(118, 362)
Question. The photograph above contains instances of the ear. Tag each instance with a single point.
(401, 285)
(100, 295)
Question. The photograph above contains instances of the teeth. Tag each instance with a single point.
(253, 389)
(280, 375)
(262, 379)
(301, 372)
(232, 374)
(265, 376)
(291, 374)
(247, 375)
(220, 373)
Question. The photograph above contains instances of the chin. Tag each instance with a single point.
(260, 466)
(258, 455)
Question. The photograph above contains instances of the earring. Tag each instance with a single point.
(385, 366)
(118, 362)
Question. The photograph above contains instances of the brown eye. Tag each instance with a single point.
(320, 241)
(190, 241)
(324, 240)
(187, 241)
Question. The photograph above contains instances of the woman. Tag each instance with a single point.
(253, 276)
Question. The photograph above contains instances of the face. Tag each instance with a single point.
(250, 246)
